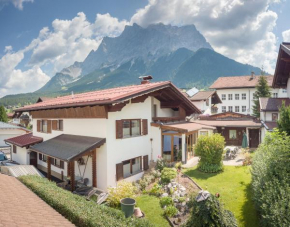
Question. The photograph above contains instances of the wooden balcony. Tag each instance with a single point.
(167, 119)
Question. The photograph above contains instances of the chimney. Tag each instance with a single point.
(72, 95)
(145, 79)
(252, 75)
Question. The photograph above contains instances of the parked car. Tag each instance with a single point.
(5, 162)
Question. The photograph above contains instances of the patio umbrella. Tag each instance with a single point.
(245, 141)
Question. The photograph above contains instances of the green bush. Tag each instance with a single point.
(170, 211)
(76, 208)
(124, 189)
(156, 190)
(210, 213)
(210, 149)
(166, 201)
(160, 163)
(167, 175)
(271, 181)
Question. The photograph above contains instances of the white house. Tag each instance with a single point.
(8, 131)
(270, 106)
(206, 101)
(237, 92)
(113, 134)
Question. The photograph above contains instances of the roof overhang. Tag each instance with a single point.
(183, 127)
(68, 147)
(282, 71)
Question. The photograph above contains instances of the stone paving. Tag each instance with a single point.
(21, 207)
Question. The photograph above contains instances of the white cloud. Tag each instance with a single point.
(68, 41)
(239, 29)
(17, 3)
(286, 36)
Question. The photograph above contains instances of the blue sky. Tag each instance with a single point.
(41, 37)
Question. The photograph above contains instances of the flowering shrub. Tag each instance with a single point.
(124, 189)
(210, 149)
(160, 164)
(248, 159)
(170, 211)
(156, 190)
(167, 175)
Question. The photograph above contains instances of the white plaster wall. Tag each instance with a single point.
(156, 142)
(288, 88)
(162, 112)
(263, 134)
(21, 156)
(9, 133)
(248, 102)
(54, 168)
(119, 150)
(203, 107)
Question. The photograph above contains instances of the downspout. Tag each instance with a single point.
(250, 101)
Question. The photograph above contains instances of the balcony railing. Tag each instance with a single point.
(167, 119)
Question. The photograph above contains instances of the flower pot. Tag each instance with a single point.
(127, 206)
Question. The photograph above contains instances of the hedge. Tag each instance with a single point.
(271, 181)
(76, 208)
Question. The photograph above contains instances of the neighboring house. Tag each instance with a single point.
(232, 126)
(7, 131)
(106, 135)
(206, 101)
(23, 120)
(237, 92)
(269, 112)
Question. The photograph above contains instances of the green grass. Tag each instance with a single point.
(153, 212)
(233, 185)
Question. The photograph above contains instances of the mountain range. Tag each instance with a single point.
(179, 54)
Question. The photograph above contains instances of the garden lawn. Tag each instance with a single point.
(153, 212)
(233, 185)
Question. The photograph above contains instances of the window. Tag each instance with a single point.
(203, 133)
(284, 90)
(154, 110)
(130, 128)
(14, 149)
(131, 167)
(275, 95)
(44, 158)
(230, 109)
(244, 96)
(230, 96)
(207, 102)
(274, 116)
(237, 96)
(224, 109)
(244, 108)
(237, 109)
(232, 134)
(223, 97)
(43, 126)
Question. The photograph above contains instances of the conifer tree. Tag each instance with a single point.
(284, 119)
(3, 114)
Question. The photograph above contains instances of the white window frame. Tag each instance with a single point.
(244, 96)
(230, 108)
(237, 109)
(230, 96)
(244, 109)
(224, 109)
(237, 96)
(224, 97)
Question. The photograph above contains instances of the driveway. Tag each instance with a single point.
(21, 207)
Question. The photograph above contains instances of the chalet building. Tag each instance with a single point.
(232, 126)
(206, 101)
(237, 92)
(110, 135)
(270, 106)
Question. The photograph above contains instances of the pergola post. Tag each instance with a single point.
(94, 167)
(49, 168)
(72, 175)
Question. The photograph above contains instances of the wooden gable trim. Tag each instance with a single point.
(117, 107)
(139, 99)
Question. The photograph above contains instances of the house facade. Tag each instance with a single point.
(112, 134)
(237, 93)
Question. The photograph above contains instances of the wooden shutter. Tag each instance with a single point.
(54, 125)
(38, 125)
(119, 129)
(40, 156)
(145, 162)
(48, 126)
(119, 171)
(14, 149)
(60, 123)
(144, 126)
(61, 164)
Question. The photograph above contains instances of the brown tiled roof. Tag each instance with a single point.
(272, 104)
(24, 140)
(21, 207)
(202, 95)
(186, 126)
(239, 82)
(270, 125)
(242, 123)
(108, 96)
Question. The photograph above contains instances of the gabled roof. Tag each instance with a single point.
(24, 140)
(114, 96)
(4, 125)
(204, 95)
(237, 123)
(239, 82)
(270, 125)
(42, 99)
(272, 104)
(282, 71)
(68, 147)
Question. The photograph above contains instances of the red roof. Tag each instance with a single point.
(107, 96)
(239, 82)
(273, 104)
(24, 140)
(187, 126)
(221, 123)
